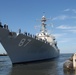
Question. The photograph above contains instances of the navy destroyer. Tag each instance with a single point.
(24, 47)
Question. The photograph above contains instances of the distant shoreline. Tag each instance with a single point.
(3, 54)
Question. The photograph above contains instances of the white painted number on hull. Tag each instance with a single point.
(29, 40)
(24, 42)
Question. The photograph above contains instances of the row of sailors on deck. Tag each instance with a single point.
(5, 26)
(27, 34)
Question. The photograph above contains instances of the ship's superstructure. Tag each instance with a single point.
(24, 47)
(44, 34)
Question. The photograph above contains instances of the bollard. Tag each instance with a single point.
(74, 61)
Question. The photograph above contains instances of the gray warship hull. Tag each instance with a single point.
(25, 48)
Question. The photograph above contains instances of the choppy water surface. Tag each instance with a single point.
(49, 67)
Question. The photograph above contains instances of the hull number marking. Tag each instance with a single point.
(24, 42)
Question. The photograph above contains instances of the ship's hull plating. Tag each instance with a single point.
(24, 48)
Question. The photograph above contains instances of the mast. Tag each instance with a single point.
(43, 25)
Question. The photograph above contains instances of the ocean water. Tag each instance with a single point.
(48, 67)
